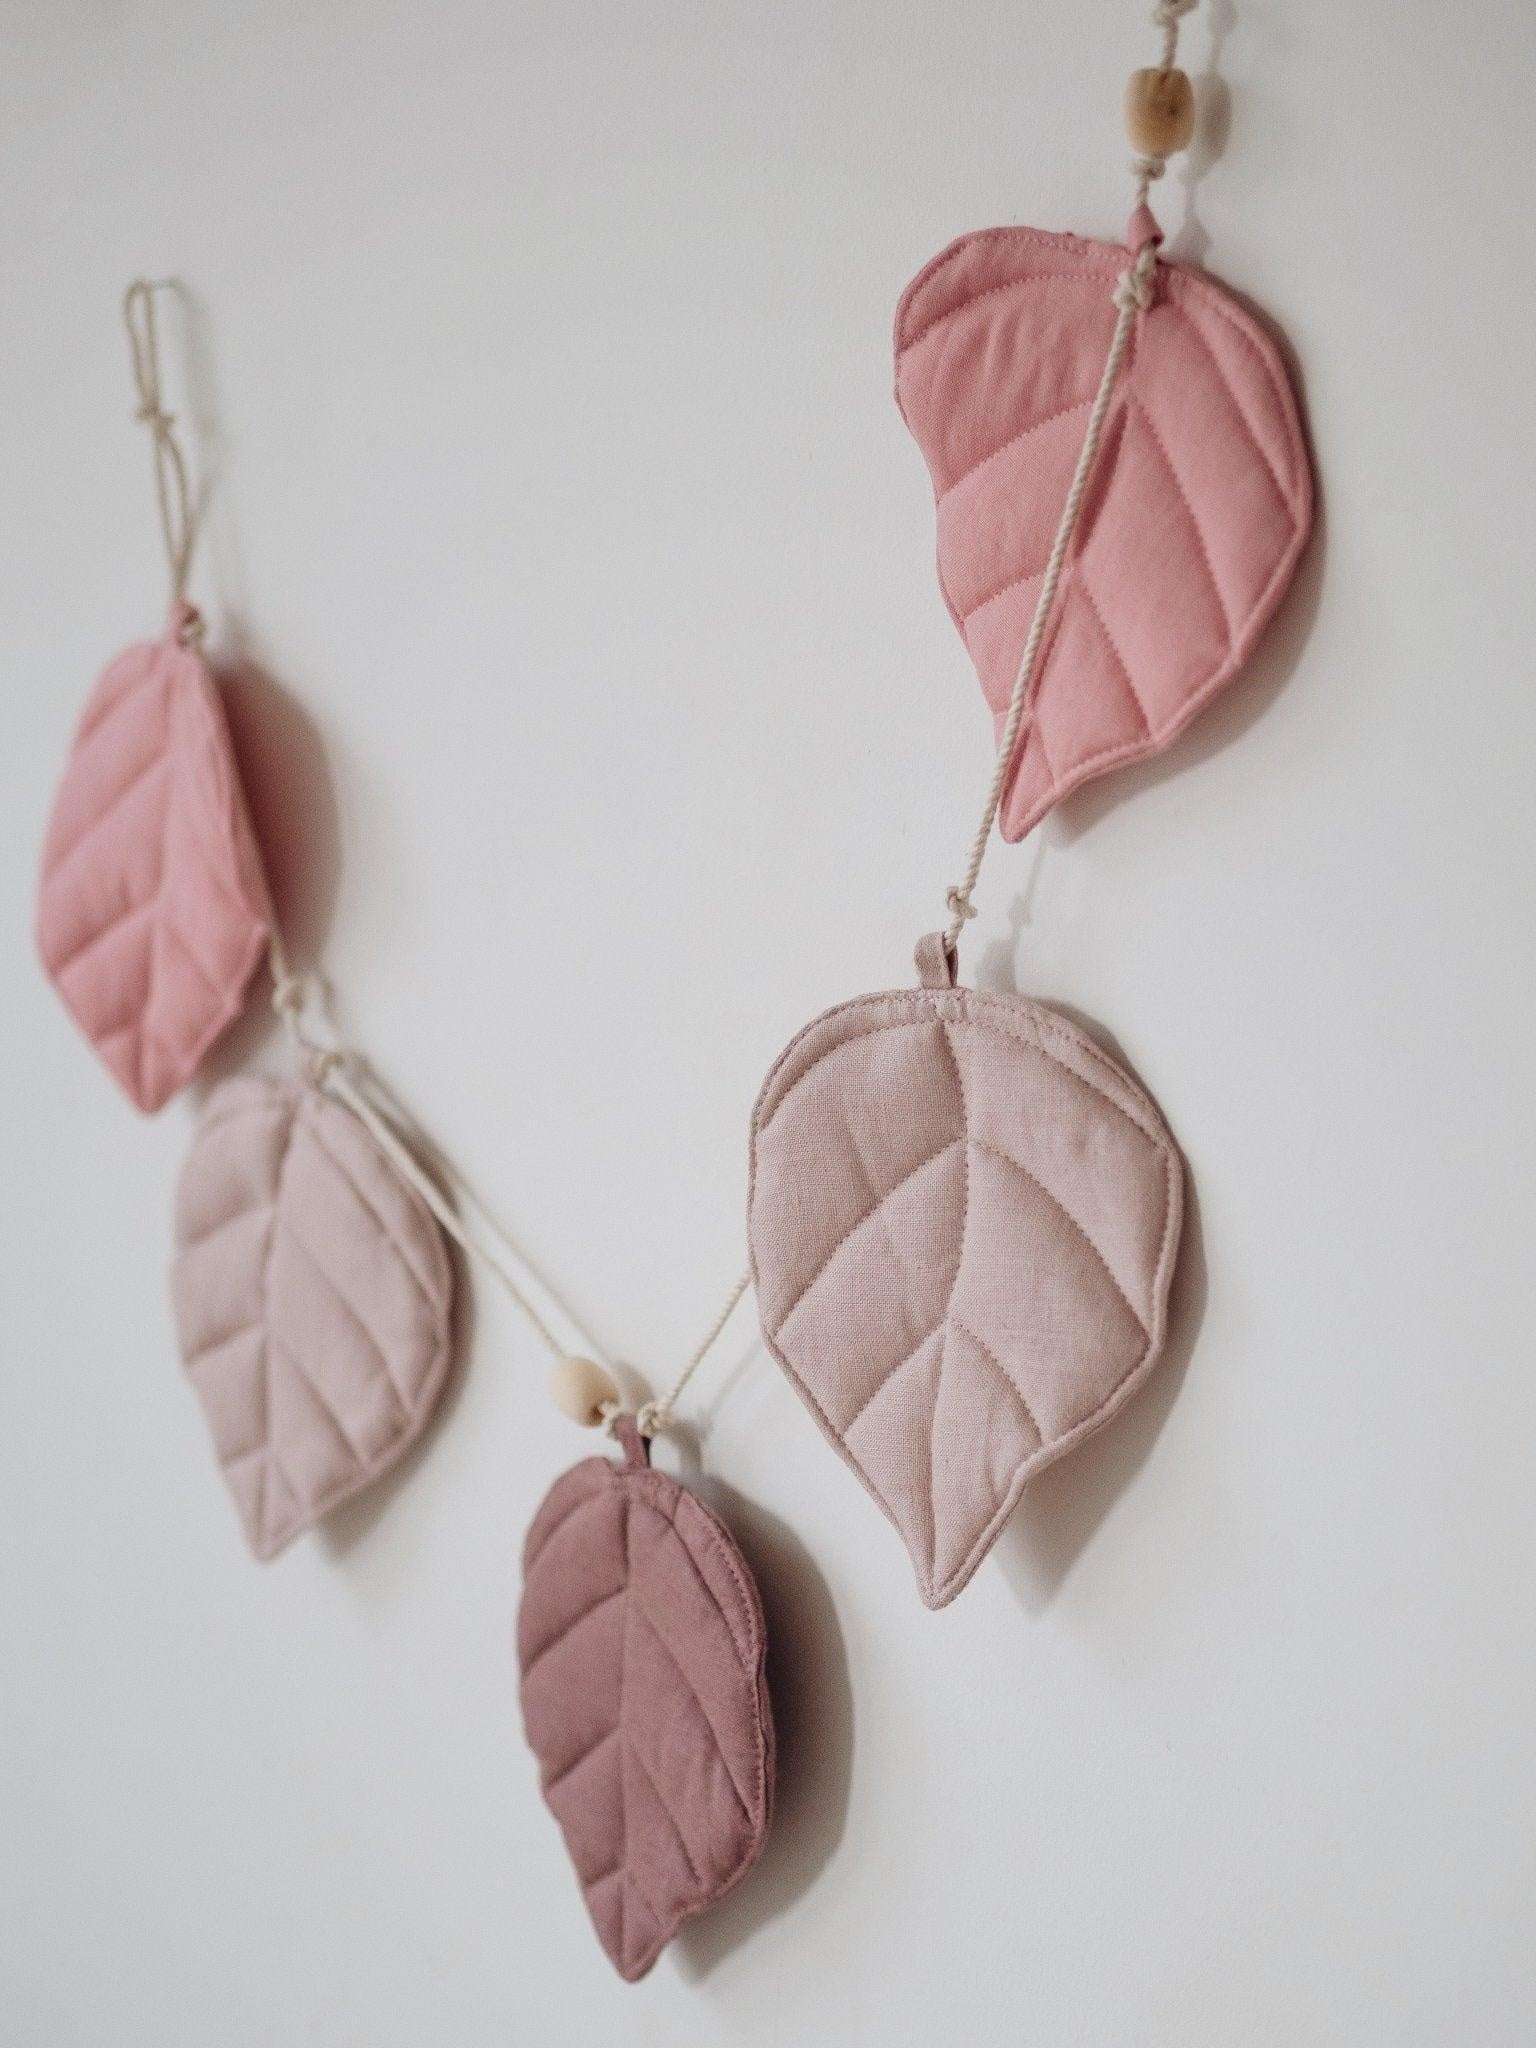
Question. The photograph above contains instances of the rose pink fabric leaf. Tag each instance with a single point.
(963, 1225)
(641, 1644)
(152, 911)
(313, 1299)
(1197, 510)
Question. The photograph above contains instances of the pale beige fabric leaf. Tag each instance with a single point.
(964, 1220)
(313, 1298)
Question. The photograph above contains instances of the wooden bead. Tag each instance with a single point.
(579, 1387)
(1159, 112)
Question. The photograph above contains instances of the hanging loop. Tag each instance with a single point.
(936, 961)
(173, 493)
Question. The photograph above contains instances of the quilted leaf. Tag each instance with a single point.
(1197, 510)
(313, 1297)
(152, 909)
(964, 1220)
(641, 1644)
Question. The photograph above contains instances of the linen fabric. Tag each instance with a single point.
(313, 1298)
(963, 1224)
(641, 1644)
(152, 909)
(1198, 507)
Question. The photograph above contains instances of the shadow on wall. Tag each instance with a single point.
(292, 806)
(292, 803)
(1213, 100)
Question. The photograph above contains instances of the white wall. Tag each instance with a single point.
(578, 569)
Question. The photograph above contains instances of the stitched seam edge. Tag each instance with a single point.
(430, 1288)
(703, 1712)
(1189, 511)
(297, 1366)
(632, 1750)
(1022, 434)
(1044, 238)
(995, 1152)
(1241, 331)
(566, 1770)
(723, 1548)
(891, 1370)
(293, 1237)
(305, 1514)
(1088, 273)
(1007, 1377)
(569, 1628)
(1048, 1453)
(868, 1217)
(1045, 1022)
(1109, 641)
(1163, 736)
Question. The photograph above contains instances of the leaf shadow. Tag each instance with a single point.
(291, 799)
(812, 1699)
(1213, 100)
(290, 795)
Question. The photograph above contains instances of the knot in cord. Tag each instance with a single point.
(290, 999)
(288, 995)
(960, 904)
(1167, 15)
(1133, 287)
(655, 1415)
(1146, 170)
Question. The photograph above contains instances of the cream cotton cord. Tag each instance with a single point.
(173, 496)
(329, 1065)
(342, 1072)
(1132, 295)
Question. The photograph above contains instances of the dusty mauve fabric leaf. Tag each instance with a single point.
(641, 1645)
(1197, 511)
(963, 1224)
(313, 1299)
(152, 910)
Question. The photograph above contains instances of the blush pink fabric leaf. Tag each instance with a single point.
(963, 1224)
(1198, 507)
(152, 910)
(641, 1645)
(313, 1299)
